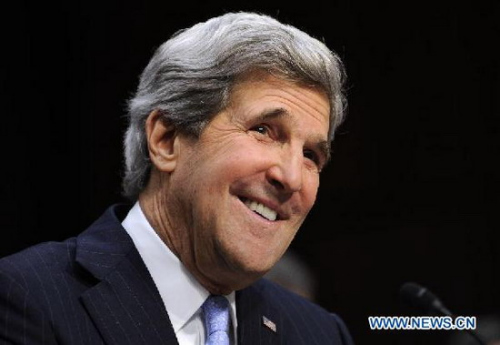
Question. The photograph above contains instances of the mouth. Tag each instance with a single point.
(261, 209)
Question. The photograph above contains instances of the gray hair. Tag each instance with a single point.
(190, 77)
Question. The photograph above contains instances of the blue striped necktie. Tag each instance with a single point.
(217, 321)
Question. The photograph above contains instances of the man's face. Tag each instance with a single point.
(246, 185)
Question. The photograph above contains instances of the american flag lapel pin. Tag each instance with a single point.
(269, 324)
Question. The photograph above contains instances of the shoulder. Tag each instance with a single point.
(41, 287)
(33, 284)
(41, 268)
(39, 259)
(52, 264)
(303, 315)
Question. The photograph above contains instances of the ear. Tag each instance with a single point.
(163, 142)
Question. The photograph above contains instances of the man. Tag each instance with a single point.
(229, 130)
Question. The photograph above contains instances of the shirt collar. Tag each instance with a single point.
(180, 291)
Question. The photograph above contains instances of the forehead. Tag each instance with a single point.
(266, 93)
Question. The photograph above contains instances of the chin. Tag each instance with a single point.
(246, 264)
(239, 274)
(255, 267)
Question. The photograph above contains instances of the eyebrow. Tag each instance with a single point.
(321, 145)
(272, 114)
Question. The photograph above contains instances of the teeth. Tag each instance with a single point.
(264, 211)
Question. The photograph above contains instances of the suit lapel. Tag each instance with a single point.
(124, 305)
(258, 322)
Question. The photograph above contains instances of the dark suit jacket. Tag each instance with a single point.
(95, 289)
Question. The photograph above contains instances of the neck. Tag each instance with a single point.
(169, 220)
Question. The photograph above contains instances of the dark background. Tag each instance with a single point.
(410, 195)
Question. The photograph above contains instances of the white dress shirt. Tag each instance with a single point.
(180, 291)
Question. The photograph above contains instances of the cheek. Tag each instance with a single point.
(240, 161)
(310, 190)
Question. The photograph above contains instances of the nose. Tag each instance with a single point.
(286, 173)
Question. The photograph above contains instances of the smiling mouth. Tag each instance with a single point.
(260, 209)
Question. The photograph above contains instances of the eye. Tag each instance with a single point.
(261, 129)
(312, 156)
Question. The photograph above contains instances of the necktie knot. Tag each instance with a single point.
(217, 320)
